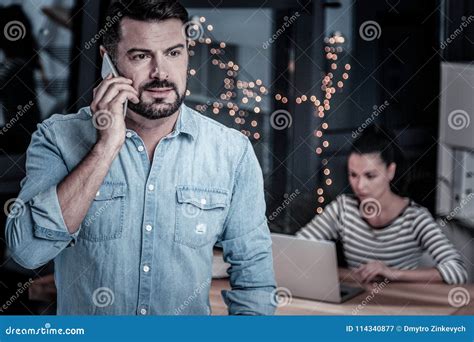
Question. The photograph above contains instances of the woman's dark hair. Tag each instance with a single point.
(378, 139)
(143, 10)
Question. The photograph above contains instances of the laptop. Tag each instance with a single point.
(308, 269)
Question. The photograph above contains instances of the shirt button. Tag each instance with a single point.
(146, 268)
(148, 228)
(203, 201)
(97, 193)
(128, 135)
(140, 148)
(143, 311)
(151, 187)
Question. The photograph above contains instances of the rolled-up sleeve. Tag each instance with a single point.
(35, 230)
(246, 243)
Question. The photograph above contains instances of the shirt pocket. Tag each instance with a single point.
(105, 218)
(200, 215)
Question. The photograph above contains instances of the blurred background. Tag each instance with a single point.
(300, 78)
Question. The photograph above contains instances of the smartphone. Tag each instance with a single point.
(107, 69)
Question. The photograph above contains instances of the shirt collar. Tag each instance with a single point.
(186, 122)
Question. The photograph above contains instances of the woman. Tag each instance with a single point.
(383, 234)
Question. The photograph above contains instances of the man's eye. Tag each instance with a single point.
(175, 53)
(140, 56)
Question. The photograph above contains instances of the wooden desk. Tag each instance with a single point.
(392, 299)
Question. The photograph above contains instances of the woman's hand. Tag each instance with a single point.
(373, 271)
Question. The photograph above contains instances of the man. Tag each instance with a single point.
(130, 210)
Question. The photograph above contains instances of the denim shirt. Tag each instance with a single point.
(146, 243)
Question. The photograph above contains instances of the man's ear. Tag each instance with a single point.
(102, 51)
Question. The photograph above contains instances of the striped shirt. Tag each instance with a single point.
(400, 244)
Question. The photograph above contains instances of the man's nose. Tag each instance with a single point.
(158, 72)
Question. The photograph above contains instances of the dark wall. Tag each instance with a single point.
(400, 68)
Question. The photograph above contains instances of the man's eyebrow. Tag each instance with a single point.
(174, 47)
(133, 50)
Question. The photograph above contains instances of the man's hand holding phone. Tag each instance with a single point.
(78, 189)
(107, 110)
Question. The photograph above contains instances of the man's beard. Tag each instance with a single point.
(148, 110)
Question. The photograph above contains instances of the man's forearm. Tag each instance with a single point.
(78, 189)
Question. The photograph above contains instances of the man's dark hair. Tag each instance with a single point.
(143, 10)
